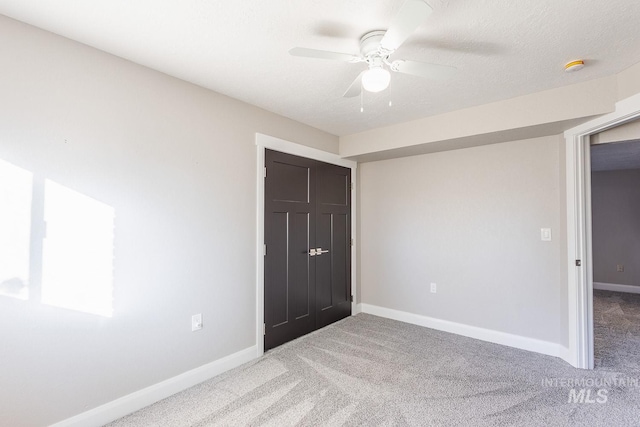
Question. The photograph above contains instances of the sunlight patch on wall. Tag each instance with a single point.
(56, 244)
(77, 269)
(15, 230)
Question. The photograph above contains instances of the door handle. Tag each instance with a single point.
(312, 252)
(319, 251)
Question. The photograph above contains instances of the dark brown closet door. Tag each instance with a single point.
(307, 277)
(333, 238)
(289, 277)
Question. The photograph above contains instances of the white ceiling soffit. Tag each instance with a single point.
(502, 49)
(615, 156)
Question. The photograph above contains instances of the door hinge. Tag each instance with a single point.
(351, 298)
(352, 185)
(578, 263)
(265, 171)
(351, 242)
(264, 329)
(264, 249)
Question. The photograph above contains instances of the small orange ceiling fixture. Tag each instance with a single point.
(572, 66)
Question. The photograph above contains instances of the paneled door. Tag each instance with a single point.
(307, 277)
(333, 243)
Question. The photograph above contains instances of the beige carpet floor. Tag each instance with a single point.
(366, 370)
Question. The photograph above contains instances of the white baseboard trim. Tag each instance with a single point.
(357, 310)
(616, 288)
(125, 405)
(517, 341)
(566, 355)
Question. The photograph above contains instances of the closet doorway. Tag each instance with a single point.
(307, 234)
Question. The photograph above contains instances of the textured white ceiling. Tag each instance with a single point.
(502, 48)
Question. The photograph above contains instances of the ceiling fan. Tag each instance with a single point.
(376, 47)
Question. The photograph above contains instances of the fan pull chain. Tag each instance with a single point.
(362, 100)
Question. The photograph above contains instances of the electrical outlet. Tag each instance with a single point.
(196, 322)
(620, 268)
(434, 288)
(545, 234)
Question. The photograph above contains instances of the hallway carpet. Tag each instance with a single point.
(616, 330)
(366, 370)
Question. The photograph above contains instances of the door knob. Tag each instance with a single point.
(319, 251)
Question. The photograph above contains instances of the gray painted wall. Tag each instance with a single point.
(615, 209)
(469, 220)
(178, 165)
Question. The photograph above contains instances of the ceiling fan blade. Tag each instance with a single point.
(355, 88)
(323, 54)
(411, 14)
(424, 69)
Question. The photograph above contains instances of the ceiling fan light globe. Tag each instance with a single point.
(376, 79)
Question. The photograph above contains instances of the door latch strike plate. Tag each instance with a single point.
(578, 263)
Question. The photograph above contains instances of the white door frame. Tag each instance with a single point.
(580, 279)
(269, 142)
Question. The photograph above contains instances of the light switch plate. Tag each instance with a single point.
(196, 322)
(545, 234)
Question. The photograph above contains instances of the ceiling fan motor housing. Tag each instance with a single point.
(370, 43)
